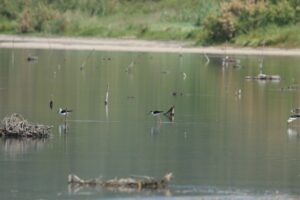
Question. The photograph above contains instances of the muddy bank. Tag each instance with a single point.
(131, 45)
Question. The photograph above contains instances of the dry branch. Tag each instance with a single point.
(143, 182)
(17, 126)
(106, 95)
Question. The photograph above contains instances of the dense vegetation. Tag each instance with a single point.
(241, 22)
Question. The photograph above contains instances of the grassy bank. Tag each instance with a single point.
(239, 22)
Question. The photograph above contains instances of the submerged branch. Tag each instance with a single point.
(137, 182)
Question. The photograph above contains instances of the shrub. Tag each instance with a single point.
(281, 13)
(10, 9)
(41, 19)
(220, 28)
(239, 17)
(25, 22)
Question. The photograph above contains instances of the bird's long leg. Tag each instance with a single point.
(158, 119)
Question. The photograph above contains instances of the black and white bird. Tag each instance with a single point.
(64, 112)
(155, 113)
(293, 118)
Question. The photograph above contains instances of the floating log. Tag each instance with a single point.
(139, 182)
(264, 77)
(17, 126)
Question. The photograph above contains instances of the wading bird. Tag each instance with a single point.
(64, 112)
(293, 118)
(155, 113)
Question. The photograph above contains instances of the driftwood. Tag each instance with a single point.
(264, 77)
(170, 112)
(17, 126)
(137, 182)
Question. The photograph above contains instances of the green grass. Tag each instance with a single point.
(7, 26)
(146, 19)
(133, 26)
(275, 36)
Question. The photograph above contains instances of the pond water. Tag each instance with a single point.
(219, 145)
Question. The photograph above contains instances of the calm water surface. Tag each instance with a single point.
(219, 145)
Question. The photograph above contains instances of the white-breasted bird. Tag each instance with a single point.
(155, 112)
(293, 118)
(64, 112)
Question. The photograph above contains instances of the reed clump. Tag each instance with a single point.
(16, 126)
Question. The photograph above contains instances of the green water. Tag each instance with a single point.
(219, 145)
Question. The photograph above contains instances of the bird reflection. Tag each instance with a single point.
(82, 188)
(129, 68)
(63, 128)
(238, 93)
(292, 133)
(170, 117)
(155, 129)
(106, 111)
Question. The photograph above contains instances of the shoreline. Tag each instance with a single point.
(131, 45)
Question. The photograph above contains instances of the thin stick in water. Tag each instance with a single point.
(106, 96)
(207, 59)
(86, 59)
(13, 52)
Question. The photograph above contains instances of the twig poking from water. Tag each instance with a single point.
(184, 75)
(86, 59)
(106, 96)
(17, 126)
(129, 67)
(13, 52)
(51, 104)
(261, 64)
(51, 50)
(207, 59)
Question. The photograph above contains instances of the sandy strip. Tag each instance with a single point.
(129, 45)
